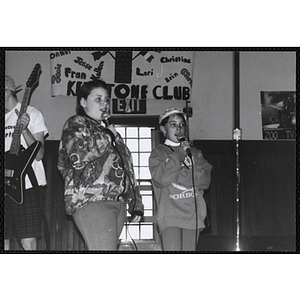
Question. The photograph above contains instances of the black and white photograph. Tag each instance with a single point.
(149, 150)
(278, 111)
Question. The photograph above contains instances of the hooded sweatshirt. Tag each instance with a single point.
(171, 171)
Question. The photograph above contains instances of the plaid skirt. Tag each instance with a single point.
(25, 220)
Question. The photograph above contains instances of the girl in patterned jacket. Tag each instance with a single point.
(97, 170)
(181, 209)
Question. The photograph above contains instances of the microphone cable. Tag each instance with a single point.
(188, 151)
(195, 200)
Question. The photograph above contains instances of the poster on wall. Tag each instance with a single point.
(134, 77)
(278, 111)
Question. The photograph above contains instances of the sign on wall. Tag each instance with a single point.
(134, 77)
(278, 115)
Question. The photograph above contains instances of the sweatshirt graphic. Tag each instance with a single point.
(183, 192)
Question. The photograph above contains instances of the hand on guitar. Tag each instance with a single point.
(30, 138)
(23, 120)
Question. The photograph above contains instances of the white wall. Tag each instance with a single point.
(212, 93)
(267, 71)
(212, 96)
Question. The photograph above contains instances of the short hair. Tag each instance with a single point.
(85, 90)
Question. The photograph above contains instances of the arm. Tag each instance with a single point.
(202, 172)
(64, 165)
(165, 167)
(135, 205)
(132, 195)
(29, 137)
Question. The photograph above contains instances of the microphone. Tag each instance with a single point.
(181, 139)
(105, 121)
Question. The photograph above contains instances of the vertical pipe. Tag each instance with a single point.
(236, 89)
(237, 200)
(237, 134)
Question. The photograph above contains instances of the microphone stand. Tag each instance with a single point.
(237, 135)
(193, 179)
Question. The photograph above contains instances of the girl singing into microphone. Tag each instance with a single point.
(180, 212)
(97, 169)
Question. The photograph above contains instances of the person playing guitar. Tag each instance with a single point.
(23, 217)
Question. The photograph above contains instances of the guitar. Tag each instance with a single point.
(18, 160)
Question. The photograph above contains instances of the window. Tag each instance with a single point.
(139, 141)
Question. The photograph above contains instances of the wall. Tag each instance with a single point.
(267, 71)
(212, 96)
(267, 196)
(212, 93)
(213, 90)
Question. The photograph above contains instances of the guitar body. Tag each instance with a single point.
(16, 168)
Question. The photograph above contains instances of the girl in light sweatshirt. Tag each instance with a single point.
(180, 174)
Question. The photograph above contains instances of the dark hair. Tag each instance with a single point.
(165, 120)
(85, 90)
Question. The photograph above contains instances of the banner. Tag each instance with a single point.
(278, 115)
(132, 76)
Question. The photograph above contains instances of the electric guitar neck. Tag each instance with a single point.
(18, 160)
(16, 136)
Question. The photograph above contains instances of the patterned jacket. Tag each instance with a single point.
(96, 168)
